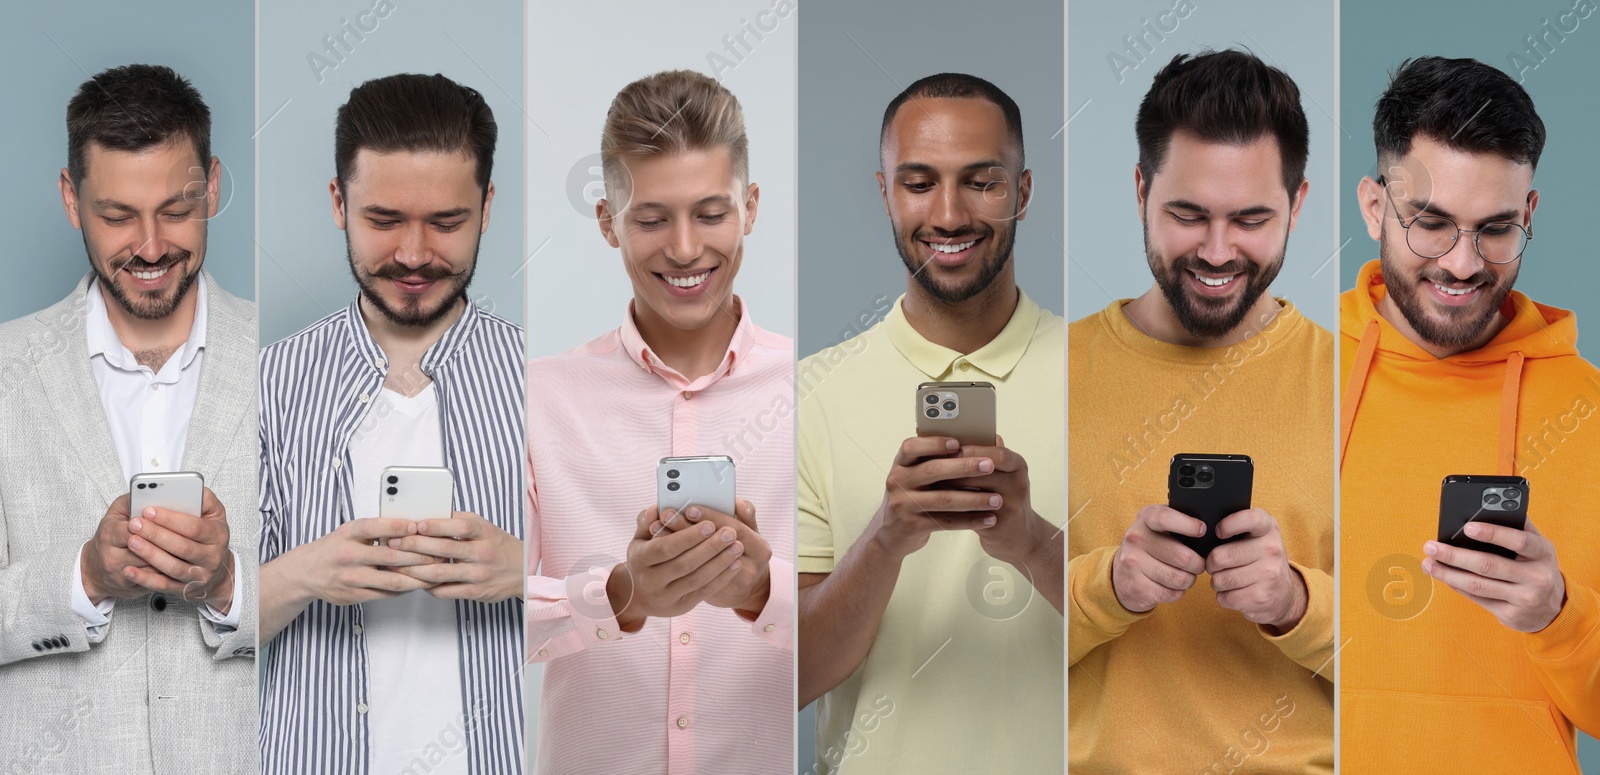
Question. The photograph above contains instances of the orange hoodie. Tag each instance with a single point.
(1429, 681)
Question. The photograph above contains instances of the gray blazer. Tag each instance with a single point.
(162, 693)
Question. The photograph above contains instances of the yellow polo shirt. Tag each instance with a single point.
(966, 672)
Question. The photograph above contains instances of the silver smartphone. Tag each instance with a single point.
(180, 491)
(704, 480)
(415, 492)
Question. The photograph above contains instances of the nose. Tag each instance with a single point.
(1462, 261)
(413, 251)
(152, 244)
(1216, 248)
(948, 211)
(683, 243)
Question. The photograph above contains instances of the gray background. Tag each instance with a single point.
(303, 271)
(854, 59)
(1106, 248)
(1558, 267)
(591, 289)
(49, 50)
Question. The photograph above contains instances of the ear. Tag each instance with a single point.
(1138, 189)
(1533, 204)
(752, 202)
(1024, 193)
(488, 199)
(883, 190)
(338, 203)
(213, 187)
(1369, 199)
(1299, 199)
(608, 229)
(69, 199)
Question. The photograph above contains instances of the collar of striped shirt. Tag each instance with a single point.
(317, 388)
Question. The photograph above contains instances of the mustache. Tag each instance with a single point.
(1236, 266)
(1482, 277)
(167, 260)
(395, 270)
(953, 236)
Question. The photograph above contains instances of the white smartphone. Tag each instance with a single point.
(180, 491)
(704, 480)
(415, 492)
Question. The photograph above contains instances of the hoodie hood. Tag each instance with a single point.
(1534, 331)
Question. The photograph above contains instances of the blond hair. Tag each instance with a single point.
(671, 112)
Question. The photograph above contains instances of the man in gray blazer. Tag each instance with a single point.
(127, 642)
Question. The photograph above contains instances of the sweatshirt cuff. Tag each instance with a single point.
(1094, 596)
(1577, 624)
(1310, 641)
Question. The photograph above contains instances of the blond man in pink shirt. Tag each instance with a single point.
(668, 638)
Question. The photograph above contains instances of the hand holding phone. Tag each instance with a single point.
(1495, 500)
(185, 542)
(1209, 488)
(1484, 516)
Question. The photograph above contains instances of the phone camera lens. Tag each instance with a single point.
(394, 480)
(949, 406)
(673, 486)
(1186, 482)
(1490, 498)
(1204, 476)
(154, 485)
(393, 490)
(932, 399)
(1186, 470)
(1513, 494)
(672, 473)
(933, 411)
(141, 485)
(1510, 505)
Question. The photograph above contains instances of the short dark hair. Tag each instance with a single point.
(414, 113)
(132, 108)
(958, 86)
(1462, 103)
(1224, 96)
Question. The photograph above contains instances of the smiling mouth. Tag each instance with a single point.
(686, 281)
(951, 247)
(1455, 291)
(1214, 282)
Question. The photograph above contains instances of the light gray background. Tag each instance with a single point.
(1559, 266)
(577, 287)
(854, 59)
(304, 274)
(50, 50)
(1105, 246)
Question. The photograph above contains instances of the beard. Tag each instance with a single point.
(1461, 326)
(412, 312)
(998, 240)
(1204, 316)
(147, 305)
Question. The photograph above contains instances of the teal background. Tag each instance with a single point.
(49, 49)
(1558, 267)
(304, 274)
(1105, 246)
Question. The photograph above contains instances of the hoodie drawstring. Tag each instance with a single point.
(1508, 414)
(1358, 382)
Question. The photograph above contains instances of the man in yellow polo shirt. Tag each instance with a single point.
(931, 574)
(1178, 662)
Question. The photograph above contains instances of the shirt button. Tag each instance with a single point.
(543, 653)
(683, 722)
(601, 634)
(362, 708)
(336, 463)
(155, 386)
(769, 628)
(154, 462)
(379, 362)
(356, 629)
(684, 638)
(687, 395)
(964, 366)
(364, 398)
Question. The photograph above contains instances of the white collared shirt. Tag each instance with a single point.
(148, 413)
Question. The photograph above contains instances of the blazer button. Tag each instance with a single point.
(38, 646)
(158, 603)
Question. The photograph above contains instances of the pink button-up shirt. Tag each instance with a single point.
(706, 692)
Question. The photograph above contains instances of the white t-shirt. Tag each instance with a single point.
(413, 656)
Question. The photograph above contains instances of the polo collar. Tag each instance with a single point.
(996, 358)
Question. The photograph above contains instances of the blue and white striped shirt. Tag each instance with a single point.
(316, 388)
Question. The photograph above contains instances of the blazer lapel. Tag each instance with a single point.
(70, 392)
(227, 382)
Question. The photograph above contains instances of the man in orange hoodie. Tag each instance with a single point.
(1457, 660)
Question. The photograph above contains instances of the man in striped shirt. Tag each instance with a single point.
(395, 645)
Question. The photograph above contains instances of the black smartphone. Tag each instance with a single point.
(1209, 488)
(1497, 500)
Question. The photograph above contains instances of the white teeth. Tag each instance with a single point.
(148, 275)
(952, 248)
(1214, 282)
(1453, 291)
(688, 282)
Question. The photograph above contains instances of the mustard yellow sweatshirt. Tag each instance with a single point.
(1191, 687)
(1429, 681)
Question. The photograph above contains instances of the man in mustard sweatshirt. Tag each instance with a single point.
(1223, 663)
(1460, 660)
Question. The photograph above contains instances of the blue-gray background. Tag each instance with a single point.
(49, 50)
(854, 59)
(1559, 266)
(304, 274)
(1105, 243)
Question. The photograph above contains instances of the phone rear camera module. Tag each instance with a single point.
(933, 411)
(1490, 499)
(1186, 482)
(393, 490)
(672, 473)
(931, 398)
(1512, 493)
(673, 486)
(394, 480)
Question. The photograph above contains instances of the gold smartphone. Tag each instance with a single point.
(963, 411)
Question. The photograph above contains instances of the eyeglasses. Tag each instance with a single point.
(1497, 243)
